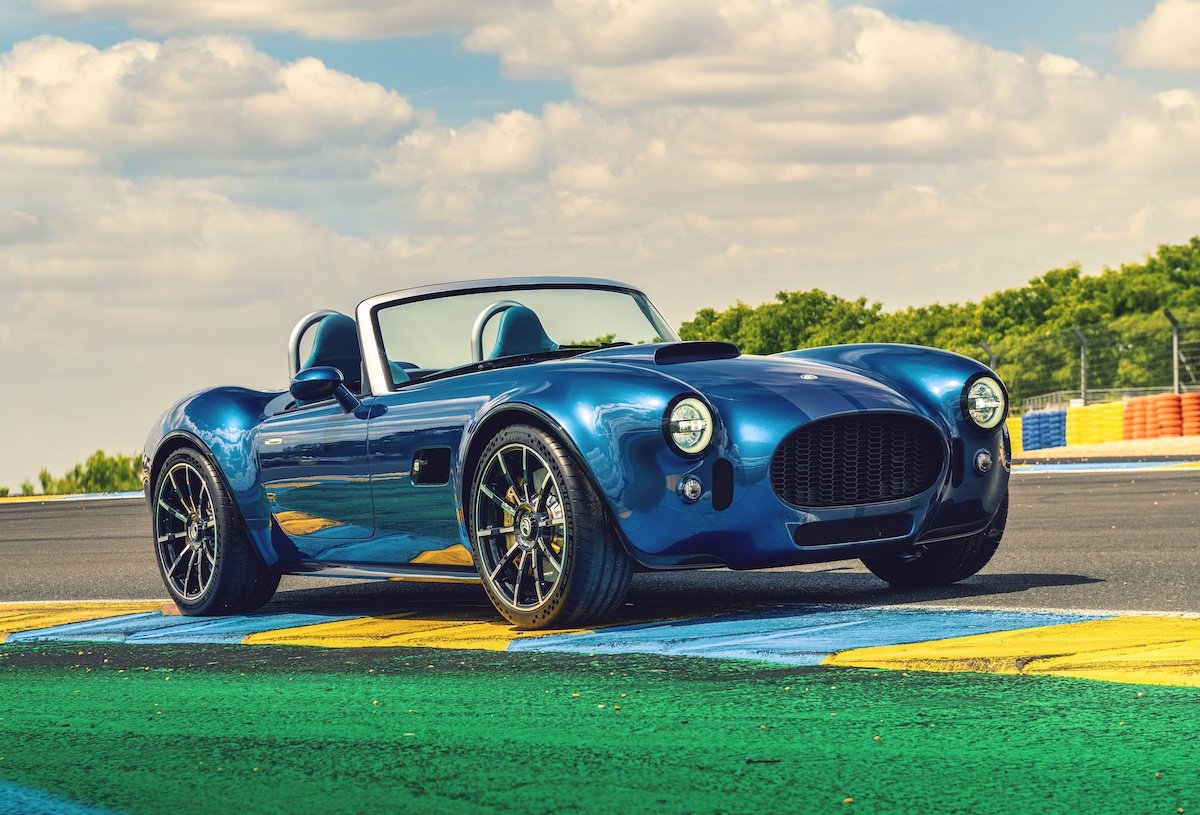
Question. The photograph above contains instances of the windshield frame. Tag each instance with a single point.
(371, 337)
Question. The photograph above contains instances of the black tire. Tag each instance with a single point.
(942, 563)
(204, 555)
(552, 558)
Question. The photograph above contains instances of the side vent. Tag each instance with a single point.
(431, 465)
(722, 489)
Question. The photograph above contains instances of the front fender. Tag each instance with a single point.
(609, 415)
(223, 424)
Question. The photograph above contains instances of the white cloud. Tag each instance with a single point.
(1169, 38)
(184, 103)
(318, 19)
(170, 208)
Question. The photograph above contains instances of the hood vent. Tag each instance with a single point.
(695, 352)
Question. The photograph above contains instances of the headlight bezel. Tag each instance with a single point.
(965, 402)
(705, 413)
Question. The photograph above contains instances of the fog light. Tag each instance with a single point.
(983, 461)
(691, 489)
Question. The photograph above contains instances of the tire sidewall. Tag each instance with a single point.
(226, 527)
(561, 468)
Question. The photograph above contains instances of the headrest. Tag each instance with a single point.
(520, 332)
(336, 344)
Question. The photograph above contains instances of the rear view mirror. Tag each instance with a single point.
(320, 383)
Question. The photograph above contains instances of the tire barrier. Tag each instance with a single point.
(1163, 415)
(1189, 405)
(1014, 435)
(1044, 428)
(1094, 424)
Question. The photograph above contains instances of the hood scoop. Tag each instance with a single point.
(678, 352)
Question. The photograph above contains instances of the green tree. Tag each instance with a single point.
(1029, 327)
(100, 473)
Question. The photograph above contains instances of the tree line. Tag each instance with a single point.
(1119, 311)
(100, 473)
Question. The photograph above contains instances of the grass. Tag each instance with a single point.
(144, 729)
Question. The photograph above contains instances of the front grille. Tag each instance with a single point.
(858, 459)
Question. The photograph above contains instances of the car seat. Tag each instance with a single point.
(520, 332)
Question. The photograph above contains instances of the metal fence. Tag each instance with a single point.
(1100, 363)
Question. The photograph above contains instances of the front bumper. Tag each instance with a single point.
(758, 530)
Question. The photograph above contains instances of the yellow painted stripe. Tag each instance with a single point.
(1139, 650)
(17, 617)
(412, 629)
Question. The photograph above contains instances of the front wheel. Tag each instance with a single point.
(204, 554)
(942, 563)
(544, 548)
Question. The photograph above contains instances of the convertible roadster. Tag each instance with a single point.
(547, 437)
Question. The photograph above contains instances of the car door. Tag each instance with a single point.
(314, 467)
(415, 443)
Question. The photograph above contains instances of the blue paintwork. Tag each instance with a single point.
(151, 627)
(804, 636)
(350, 474)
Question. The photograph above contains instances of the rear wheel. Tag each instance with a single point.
(544, 548)
(204, 554)
(942, 563)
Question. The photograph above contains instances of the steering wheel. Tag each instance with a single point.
(477, 331)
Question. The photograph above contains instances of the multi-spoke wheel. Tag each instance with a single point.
(544, 547)
(204, 555)
(186, 530)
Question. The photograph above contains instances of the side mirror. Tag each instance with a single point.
(323, 382)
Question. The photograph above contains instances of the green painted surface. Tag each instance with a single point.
(205, 729)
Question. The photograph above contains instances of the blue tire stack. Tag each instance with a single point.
(1056, 428)
(1033, 430)
(1043, 428)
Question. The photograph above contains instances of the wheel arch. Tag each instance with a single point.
(181, 440)
(509, 414)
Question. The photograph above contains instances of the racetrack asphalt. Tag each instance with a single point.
(1082, 541)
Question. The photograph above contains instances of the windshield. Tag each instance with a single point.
(452, 330)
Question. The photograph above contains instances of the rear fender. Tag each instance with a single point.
(221, 424)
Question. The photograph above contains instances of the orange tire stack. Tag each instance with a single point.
(1189, 409)
(1167, 412)
(1138, 407)
(1127, 420)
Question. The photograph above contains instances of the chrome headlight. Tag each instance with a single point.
(689, 427)
(984, 402)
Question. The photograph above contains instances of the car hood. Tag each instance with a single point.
(737, 382)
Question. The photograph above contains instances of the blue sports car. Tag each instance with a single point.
(547, 437)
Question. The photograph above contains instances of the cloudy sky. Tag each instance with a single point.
(182, 179)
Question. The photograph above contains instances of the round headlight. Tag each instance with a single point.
(690, 426)
(985, 402)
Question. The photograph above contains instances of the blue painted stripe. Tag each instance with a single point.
(105, 629)
(153, 627)
(232, 630)
(792, 638)
(28, 801)
(1097, 466)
